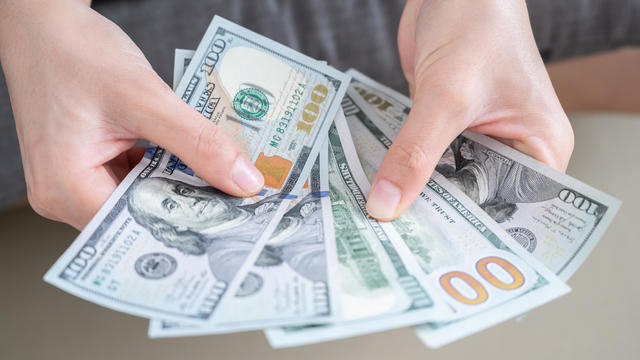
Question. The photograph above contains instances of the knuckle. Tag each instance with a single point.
(412, 157)
(38, 200)
(568, 143)
(208, 140)
(149, 95)
(454, 93)
(163, 89)
(570, 139)
(558, 136)
(456, 97)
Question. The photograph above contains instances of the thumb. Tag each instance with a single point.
(202, 145)
(411, 158)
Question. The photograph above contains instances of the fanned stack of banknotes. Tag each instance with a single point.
(493, 234)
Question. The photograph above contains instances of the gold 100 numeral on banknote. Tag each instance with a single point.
(166, 245)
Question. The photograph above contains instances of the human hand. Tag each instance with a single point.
(82, 94)
(470, 65)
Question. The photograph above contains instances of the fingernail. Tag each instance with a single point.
(246, 176)
(383, 200)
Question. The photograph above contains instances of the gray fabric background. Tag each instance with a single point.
(346, 33)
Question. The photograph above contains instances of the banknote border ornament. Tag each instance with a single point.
(64, 271)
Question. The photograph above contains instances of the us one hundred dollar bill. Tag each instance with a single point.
(555, 217)
(463, 255)
(166, 245)
(294, 279)
(381, 284)
(512, 177)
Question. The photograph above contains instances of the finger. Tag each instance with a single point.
(203, 146)
(546, 137)
(89, 193)
(411, 159)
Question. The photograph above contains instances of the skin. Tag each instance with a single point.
(83, 94)
(470, 65)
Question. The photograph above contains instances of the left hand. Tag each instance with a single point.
(470, 65)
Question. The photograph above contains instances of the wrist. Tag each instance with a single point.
(26, 21)
(25, 13)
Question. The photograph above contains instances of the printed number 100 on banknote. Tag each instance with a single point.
(271, 104)
(167, 245)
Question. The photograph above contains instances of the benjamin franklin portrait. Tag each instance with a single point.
(494, 182)
(202, 220)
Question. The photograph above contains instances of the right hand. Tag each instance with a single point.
(470, 65)
(82, 95)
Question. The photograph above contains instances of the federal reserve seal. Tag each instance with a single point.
(155, 265)
(251, 104)
(524, 237)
